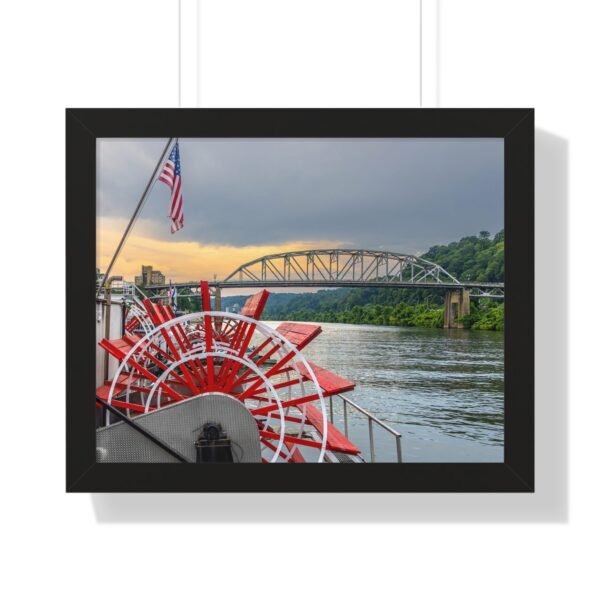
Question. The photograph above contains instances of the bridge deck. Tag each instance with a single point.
(331, 284)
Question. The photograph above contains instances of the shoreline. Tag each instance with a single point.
(487, 318)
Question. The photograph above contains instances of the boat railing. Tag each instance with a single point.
(126, 289)
(372, 419)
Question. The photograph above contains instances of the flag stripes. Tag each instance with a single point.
(171, 176)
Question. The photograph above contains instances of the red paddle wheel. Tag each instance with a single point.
(136, 318)
(238, 356)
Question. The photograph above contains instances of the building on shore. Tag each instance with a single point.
(149, 277)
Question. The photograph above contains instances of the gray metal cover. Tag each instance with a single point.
(179, 426)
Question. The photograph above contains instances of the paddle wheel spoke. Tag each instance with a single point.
(291, 440)
(264, 410)
(239, 344)
(272, 447)
(278, 386)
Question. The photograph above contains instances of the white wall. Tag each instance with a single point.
(116, 330)
(308, 53)
(125, 53)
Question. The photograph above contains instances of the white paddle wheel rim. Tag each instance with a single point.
(224, 351)
(133, 311)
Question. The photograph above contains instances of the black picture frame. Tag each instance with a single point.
(515, 126)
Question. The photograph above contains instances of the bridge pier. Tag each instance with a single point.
(456, 305)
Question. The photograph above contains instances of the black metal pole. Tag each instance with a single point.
(135, 215)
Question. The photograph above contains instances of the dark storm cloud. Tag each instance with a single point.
(398, 194)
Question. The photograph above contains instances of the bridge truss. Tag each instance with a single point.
(326, 266)
(345, 268)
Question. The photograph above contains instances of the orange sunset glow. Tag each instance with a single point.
(181, 260)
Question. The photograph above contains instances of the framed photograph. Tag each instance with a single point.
(300, 300)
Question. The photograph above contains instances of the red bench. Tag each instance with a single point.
(120, 386)
(336, 440)
(254, 305)
(299, 334)
(330, 383)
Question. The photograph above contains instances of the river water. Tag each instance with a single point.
(443, 390)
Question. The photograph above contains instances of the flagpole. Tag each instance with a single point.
(145, 195)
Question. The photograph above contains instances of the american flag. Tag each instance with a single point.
(171, 175)
(172, 296)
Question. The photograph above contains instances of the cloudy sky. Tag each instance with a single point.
(244, 198)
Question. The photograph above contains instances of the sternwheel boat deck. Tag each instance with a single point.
(215, 386)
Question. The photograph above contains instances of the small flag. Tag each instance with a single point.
(173, 297)
(171, 175)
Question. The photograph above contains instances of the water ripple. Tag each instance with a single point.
(445, 381)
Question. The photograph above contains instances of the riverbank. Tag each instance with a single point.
(487, 317)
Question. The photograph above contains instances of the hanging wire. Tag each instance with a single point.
(421, 53)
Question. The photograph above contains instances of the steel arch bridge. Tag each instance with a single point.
(346, 268)
(341, 266)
